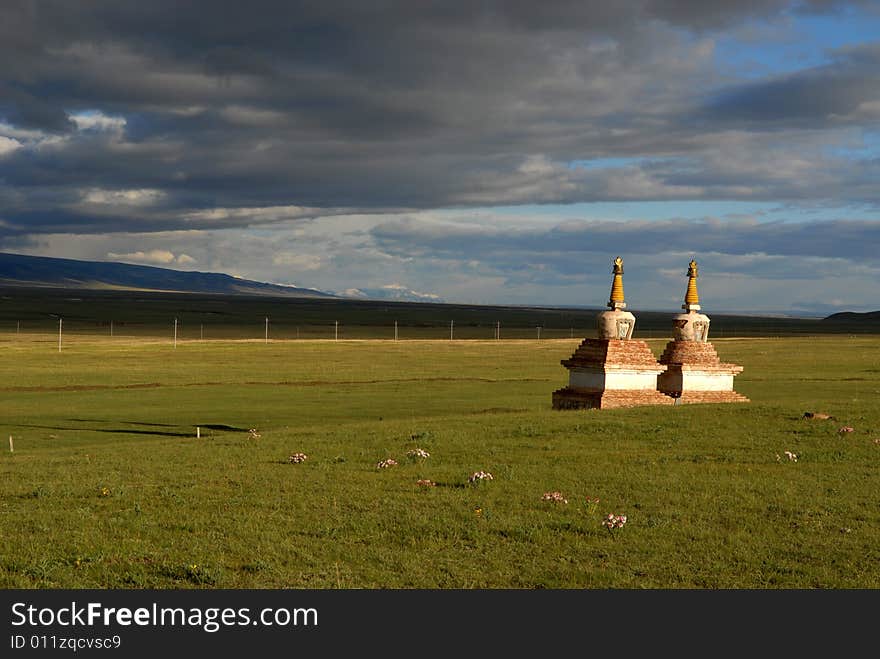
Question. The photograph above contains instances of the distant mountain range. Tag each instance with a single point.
(44, 272)
(392, 292)
(18, 270)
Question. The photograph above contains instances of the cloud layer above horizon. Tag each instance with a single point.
(493, 152)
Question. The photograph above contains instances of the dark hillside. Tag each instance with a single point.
(39, 271)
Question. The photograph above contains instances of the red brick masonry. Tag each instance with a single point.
(569, 398)
(694, 353)
(609, 354)
(697, 356)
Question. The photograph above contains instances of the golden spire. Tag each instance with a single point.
(617, 301)
(692, 297)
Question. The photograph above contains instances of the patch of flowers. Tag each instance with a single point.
(425, 482)
(554, 496)
(418, 454)
(384, 464)
(612, 522)
(480, 476)
(792, 457)
(105, 492)
(253, 434)
(296, 458)
(846, 429)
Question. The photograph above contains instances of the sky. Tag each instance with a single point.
(478, 152)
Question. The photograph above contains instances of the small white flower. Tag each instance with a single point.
(613, 521)
(554, 496)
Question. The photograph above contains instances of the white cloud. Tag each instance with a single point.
(138, 197)
(154, 256)
(94, 120)
(8, 145)
(297, 261)
(258, 214)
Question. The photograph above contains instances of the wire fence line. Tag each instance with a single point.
(268, 331)
(264, 329)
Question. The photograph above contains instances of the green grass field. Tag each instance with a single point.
(109, 487)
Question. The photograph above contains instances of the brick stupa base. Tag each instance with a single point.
(695, 374)
(609, 373)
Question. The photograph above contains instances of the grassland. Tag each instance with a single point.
(109, 487)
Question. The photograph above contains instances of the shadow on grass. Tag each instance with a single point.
(132, 423)
(458, 486)
(222, 427)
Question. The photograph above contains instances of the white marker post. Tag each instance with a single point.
(11, 448)
(395, 330)
(451, 326)
(198, 433)
(267, 329)
(498, 330)
(539, 332)
(175, 332)
(336, 331)
(59, 335)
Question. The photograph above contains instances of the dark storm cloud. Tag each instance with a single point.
(27, 110)
(391, 105)
(569, 241)
(817, 97)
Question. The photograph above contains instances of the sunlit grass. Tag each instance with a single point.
(108, 485)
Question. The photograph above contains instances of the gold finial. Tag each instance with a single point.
(692, 297)
(617, 300)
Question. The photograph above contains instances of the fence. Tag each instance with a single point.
(265, 329)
